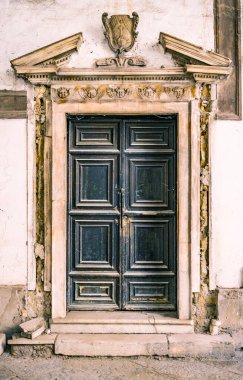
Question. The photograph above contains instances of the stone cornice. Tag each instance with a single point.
(208, 74)
(185, 52)
(56, 53)
(51, 74)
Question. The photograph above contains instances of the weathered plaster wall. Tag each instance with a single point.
(30, 24)
(13, 201)
(227, 203)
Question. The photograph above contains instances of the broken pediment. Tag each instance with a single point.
(44, 66)
(185, 52)
(54, 54)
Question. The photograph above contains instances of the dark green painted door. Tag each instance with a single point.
(121, 213)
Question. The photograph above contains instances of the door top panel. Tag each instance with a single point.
(102, 133)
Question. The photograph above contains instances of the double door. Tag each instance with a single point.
(121, 213)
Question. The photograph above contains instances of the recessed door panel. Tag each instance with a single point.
(122, 213)
(91, 135)
(94, 243)
(94, 294)
(149, 182)
(95, 179)
(150, 244)
(155, 135)
(150, 293)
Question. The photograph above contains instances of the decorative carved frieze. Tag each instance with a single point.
(133, 92)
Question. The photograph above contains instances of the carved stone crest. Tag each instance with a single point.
(120, 32)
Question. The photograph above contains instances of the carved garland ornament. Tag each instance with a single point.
(178, 92)
(118, 92)
(149, 92)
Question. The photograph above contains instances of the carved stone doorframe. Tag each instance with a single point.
(187, 91)
(59, 146)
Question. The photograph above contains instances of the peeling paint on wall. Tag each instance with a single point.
(204, 303)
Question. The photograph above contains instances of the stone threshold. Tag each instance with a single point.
(102, 345)
(120, 322)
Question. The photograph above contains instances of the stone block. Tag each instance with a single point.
(230, 308)
(32, 328)
(12, 302)
(34, 351)
(201, 346)
(2, 343)
(40, 340)
(111, 344)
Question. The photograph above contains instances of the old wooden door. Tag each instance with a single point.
(121, 213)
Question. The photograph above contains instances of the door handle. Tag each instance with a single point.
(121, 204)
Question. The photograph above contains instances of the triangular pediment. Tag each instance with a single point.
(187, 53)
(56, 53)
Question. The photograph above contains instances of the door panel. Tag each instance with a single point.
(142, 293)
(94, 293)
(150, 244)
(122, 213)
(95, 179)
(94, 243)
(149, 183)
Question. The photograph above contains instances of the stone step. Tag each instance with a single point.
(93, 345)
(175, 345)
(92, 322)
(111, 344)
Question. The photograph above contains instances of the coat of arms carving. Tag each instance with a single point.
(120, 32)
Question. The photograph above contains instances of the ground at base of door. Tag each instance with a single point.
(142, 368)
(126, 345)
